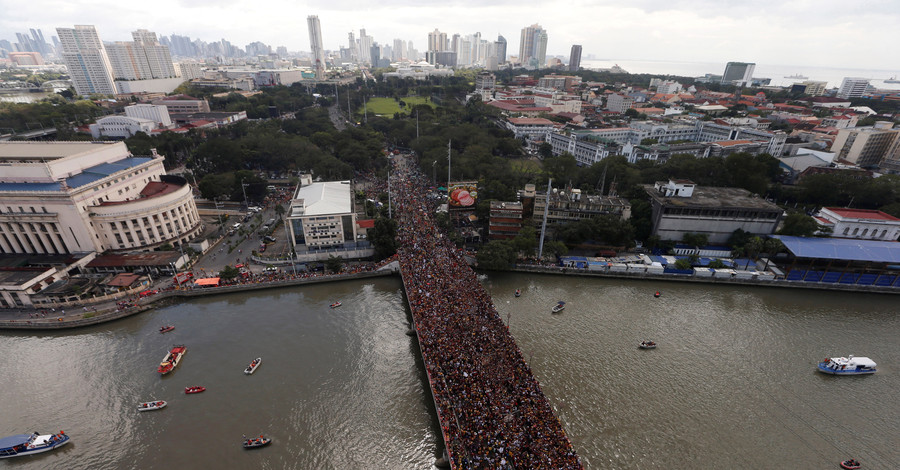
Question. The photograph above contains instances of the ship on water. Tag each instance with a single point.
(796, 76)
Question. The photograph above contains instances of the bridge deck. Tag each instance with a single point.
(492, 411)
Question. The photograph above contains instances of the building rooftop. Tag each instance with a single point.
(331, 197)
(156, 258)
(530, 121)
(714, 197)
(862, 214)
(43, 151)
(842, 249)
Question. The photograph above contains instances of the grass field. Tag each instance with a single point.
(389, 106)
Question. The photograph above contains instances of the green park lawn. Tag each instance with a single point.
(389, 106)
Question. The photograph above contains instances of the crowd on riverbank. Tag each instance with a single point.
(492, 410)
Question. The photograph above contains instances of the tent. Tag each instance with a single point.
(207, 282)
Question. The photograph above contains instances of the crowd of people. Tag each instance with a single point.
(492, 410)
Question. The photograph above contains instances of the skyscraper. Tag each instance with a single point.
(575, 58)
(354, 48)
(738, 73)
(437, 41)
(365, 48)
(852, 87)
(315, 43)
(500, 47)
(86, 59)
(533, 46)
(143, 59)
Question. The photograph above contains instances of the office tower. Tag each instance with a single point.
(365, 48)
(500, 48)
(143, 59)
(738, 73)
(533, 46)
(86, 59)
(315, 44)
(411, 53)
(853, 87)
(575, 58)
(398, 52)
(437, 41)
(354, 48)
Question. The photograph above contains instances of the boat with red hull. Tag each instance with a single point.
(189, 390)
(172, 359)
(166, 329)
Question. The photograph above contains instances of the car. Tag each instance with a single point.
(271, 269)
(262, 248)
(269, 239)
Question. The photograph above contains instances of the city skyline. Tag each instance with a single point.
(705, 31)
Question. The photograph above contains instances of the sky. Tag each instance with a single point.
(863, 34)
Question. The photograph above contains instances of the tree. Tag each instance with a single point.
(649, 141)
(229, 272)
(695, 239)
(545, 150)
(799, 225)
(682, 263)
(496, 255)
(334, 264)
(383, 238)
(526, 240)
(716, 264)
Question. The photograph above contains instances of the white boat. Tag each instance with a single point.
(847, 365)
(253, 365)
(647, 344)
(892, 80)
(152, 405)
(27, 444)
(797, 76)
(558, 307)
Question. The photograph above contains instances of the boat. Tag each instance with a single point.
(256, 442)
(558, 307)
(166, 329)
(336, 304)
(28, 444)
(190, 390)
(253, 365)
(851, 464)
(518, 293)
(152, 405)
(647, 344)
(847, 365)
(797, 76)
(172, 359)
(892, 80)
(657, 294)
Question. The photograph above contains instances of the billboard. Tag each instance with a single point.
(463, 194)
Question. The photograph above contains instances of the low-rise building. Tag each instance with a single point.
(530, 128)
(121, 127)
(506, 220)
(570, 205)
(680, 207)
(619, 103)
(860, 224)
(321, 216)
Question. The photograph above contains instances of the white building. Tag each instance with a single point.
(142, 59)
(619, 103)
(738, 73)
(82, 197)
(189, 70)
(669, 87)
(156, 113)
(315, 43)
(853, 87)
(87, 61)
(321, 215)
(530, 128)
(121, 127)
(859, 223)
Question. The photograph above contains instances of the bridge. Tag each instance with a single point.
(32, 134)
(491, 409)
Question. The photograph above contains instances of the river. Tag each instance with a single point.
(731, 385)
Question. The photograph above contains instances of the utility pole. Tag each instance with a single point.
(389, 196)
(244, 190)
(417, 124)
(448, 172)
(365, 109)
(287, 239)
(544, 223)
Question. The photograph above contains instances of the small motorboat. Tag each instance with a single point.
(253, 365)
(27, 444)
(851, 464)
(152, 405)
(847, 365)
(558, 307)
(172, 359)
(190, 390)
(518, 293)
(256, 442)
(647, 344)
(166, 329)
(336, 304)
(657, 294)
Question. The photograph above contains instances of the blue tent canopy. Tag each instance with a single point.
(842, 249)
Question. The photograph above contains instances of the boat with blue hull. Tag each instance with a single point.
(28, 444)
(847, 366)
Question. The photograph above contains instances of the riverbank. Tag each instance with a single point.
(88, 318)
(780, 283)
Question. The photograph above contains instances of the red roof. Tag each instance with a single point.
(367, 223)
(862, 214)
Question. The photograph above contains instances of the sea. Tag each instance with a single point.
(779, 74)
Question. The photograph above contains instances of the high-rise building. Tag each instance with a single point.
(533, 46)
(399, 52)
(354, 47)
(315, 43)
(437, 41)
(85, 57)
(853, 87)
(738, 73)
(365, 47)
(575, 58)
(865, 146)
(143, 59)
(500, 49)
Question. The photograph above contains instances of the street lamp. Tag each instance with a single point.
(434, 172)
(244, 190)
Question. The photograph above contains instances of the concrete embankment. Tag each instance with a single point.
(779, 283)
(101, 316)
